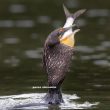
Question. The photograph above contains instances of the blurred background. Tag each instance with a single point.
(24, 26)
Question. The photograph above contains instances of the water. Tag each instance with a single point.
(24, 26)
(35, 102)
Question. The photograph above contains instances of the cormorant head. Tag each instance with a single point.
(65, 35)
(58, 36)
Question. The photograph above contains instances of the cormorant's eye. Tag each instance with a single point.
(61, 32)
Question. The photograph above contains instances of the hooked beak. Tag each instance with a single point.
(63, 30)
(75, 30)
(67, 28)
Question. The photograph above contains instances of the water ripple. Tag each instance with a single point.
(12, 40)
(33, 53)
(103, 63)
(106, 44)
(18, 23)
(84, 49)
(43, 19)
(6, 23)
(98, 12)
(24, 23)
(17, 8)
(93, 57)
(72, 3)
(13, 61)
(35, 101)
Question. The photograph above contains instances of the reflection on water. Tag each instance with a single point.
(35, 101)
(43, 19)
(17, 8)
(24, 26)
(12, 40)
(12, 61)
(72, 3)
(33, 53)
(98, 12)
(6, 23)
(17, 23)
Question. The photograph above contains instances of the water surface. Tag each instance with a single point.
(24, 26)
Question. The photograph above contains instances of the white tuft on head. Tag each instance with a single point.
(68, 23)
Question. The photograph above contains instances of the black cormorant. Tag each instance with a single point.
(57, 55)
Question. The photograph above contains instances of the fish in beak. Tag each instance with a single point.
(70, 27)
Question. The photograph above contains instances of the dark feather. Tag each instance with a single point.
(56, 62)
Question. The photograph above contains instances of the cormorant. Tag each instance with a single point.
(57, 55)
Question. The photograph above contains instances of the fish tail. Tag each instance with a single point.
(73, 15)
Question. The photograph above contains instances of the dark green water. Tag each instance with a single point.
(24, 26)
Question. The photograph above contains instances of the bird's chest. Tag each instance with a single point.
(59, 52)
(58, 57)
